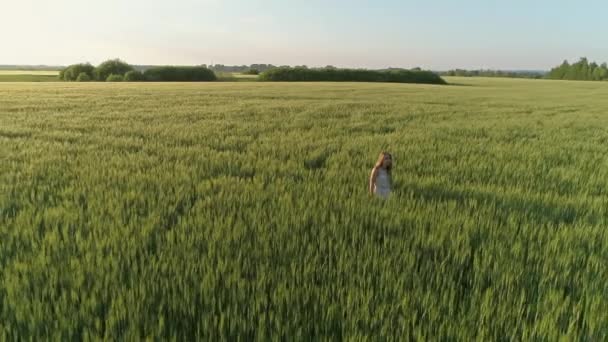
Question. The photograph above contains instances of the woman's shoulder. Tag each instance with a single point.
(378, 170)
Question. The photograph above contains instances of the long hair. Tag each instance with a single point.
(381, 160)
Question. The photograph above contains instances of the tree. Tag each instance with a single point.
(112, 66)
(83, 77)
(559, 72)
(603, 73)
(591, 71)
(572, 72)
(72, 72)
(597, 74)
(134, 76)
(114, 78)
(581, 70)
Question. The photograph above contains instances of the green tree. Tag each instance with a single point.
(72, 72)
(582, 69)
(134, 76)
(603, 73)
(591, 71)
(83, 77)
(114, 78)
(559, 72)
(112, 66)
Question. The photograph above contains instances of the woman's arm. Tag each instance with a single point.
(372, 181)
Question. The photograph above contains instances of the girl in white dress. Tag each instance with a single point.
(380, 179)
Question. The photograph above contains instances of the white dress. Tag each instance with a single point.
(382, 187)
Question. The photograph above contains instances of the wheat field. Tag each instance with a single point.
(239, 210)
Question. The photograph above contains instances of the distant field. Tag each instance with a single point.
(51, 76)
(29, 72)
(246, 76)
(211, 211)
(28, 76)
(235, 77)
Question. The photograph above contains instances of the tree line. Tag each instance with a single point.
(116, 70)
(581, 70)
(493, 73)
(332, 74)
(245, 69)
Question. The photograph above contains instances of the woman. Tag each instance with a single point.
(380, 179)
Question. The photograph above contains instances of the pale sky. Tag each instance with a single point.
(433, 34)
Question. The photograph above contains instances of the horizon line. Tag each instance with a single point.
(282, 65)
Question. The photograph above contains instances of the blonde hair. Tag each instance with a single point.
(380, 160)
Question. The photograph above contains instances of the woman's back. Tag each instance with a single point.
(383, 183)
(380, 179)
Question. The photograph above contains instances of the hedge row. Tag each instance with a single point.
(179, 74)
(300, 74)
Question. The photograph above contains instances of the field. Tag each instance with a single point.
(217, 210)
(235, 77)
(28, 76)
(29, 72)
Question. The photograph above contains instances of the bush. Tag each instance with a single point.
(83, 77)
(114, 78)
(299, 74)
(72, 72)
(252, 72)
(134, 76)
(179, 74)
(112, 66)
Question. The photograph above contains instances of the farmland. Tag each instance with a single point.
(28, 76)
(221, 210)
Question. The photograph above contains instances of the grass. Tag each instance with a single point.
(28, 76)
(224, 210)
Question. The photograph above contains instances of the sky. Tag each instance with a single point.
(432, 34)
